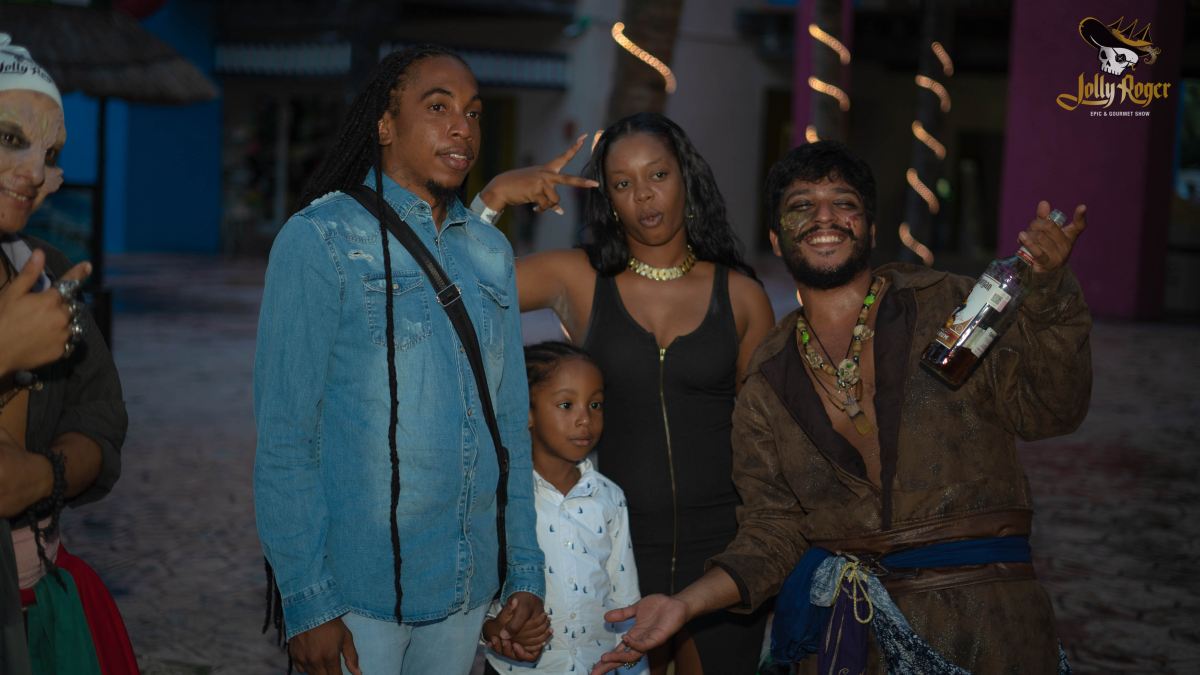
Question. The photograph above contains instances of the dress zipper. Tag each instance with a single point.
(662, 397)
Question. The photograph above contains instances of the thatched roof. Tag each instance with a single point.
(104, 53)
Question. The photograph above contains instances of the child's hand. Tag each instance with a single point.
(527, 643)
(534, 634)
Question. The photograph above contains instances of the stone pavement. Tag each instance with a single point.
(1117, 528)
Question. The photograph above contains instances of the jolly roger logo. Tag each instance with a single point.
(1120, 48)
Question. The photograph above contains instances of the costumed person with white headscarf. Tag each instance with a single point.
(62, 417)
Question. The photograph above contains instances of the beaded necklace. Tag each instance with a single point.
(846, 375)
(664, 273)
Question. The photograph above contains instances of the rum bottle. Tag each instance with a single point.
(984, 316)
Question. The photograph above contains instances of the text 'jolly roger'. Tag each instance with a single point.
(1120, 48)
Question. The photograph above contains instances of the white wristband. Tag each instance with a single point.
(485, 212)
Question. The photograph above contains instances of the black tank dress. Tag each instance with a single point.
(666, 442)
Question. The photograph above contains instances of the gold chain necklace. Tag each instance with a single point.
(664, 273)
(846, 376)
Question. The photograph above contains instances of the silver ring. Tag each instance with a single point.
(67, 288)
(77, 330)
(68, 348)
(629, 666)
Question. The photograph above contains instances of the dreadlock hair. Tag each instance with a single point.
(357, 145)
(543, 358)
(357, 150)
(813, 162)
(708, 229)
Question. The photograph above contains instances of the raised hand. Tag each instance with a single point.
(537, 185)
(1049, 244)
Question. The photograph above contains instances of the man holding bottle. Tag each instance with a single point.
(892, 500)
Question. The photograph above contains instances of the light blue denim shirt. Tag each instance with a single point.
(322, 470)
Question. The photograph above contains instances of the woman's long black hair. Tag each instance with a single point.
(356, 151)
(707, 226)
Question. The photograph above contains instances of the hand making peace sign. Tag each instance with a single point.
(537, 185)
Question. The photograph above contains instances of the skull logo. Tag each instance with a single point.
(1114, 60)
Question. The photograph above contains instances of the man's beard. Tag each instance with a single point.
(440, 194)
(825, 279)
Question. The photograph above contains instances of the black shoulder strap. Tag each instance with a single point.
(450, 298)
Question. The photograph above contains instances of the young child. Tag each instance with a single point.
(582, 520)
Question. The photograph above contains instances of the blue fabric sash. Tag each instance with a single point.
(798, 623)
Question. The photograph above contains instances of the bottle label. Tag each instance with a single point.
(987, 293)
(979, 340)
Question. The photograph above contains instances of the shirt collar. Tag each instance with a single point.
(405, 202)
(586, 486)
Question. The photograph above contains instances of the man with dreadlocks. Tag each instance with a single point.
(375, 474)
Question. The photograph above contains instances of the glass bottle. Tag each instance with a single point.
(983, 317)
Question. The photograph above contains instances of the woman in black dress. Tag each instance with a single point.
(663, 301)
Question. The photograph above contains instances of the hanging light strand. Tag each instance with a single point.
(944, 56)
(823, 87)
(829, 41)
(826, 88)
(910, 242)
(921, 134)
(927, 138)
(618, 34)
(931, 200)
(937, 88)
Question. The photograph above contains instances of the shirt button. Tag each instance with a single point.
(572, 615)
(471, 411)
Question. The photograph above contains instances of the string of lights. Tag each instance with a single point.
(944, 56)
(823, 87)
(915, 246)
(939, 150)
(826, 88)
(931, 200)
(927, 138)
(618, 34)
(937, 88)
(829, 41)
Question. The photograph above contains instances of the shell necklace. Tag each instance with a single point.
(848, 381)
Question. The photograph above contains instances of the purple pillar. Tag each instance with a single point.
(1119, 165)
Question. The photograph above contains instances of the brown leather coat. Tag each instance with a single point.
(949, 464)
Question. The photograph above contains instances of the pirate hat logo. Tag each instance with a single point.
(1120, 46)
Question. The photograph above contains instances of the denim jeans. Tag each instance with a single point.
(445, 646)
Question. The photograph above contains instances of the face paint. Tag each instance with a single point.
(32, 134)
(822, 237)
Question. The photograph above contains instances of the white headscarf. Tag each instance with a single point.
(19, 71)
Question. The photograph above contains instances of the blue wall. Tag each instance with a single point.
(163, 163)
(173, 188)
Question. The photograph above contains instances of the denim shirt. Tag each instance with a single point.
(322, 470)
